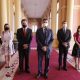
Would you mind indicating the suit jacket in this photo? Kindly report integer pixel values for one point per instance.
(24, 40)
(64, 37)
(44, 40)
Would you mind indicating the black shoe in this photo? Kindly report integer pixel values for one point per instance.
(7, 66)
(38, 75)
(27, 71)
(46, 75)
(65, 69)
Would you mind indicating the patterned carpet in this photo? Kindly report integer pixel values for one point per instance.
(54, 74)
(11, 70)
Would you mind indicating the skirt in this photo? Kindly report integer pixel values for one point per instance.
(5, 49)
(76, 51)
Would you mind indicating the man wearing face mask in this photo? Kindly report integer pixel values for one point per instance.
(44, 39)
(64, 36)
(24, 37)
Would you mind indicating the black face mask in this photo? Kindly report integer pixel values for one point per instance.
(6, 28)
(24, 26)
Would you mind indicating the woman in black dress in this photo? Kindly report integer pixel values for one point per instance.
(76, 48)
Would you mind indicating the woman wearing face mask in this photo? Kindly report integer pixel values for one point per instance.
(7, 43)
(76, 48)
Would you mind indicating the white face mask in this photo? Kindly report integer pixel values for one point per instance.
(45, 24)
(65, 26)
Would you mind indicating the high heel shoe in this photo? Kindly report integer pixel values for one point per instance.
(7, 66)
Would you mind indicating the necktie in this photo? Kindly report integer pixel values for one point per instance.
(44, 31)
(24, 32)
(64, 30)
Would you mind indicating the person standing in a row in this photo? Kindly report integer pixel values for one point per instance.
(76, 48)
(44, 38)
(64, 37)
(7, 44)
(24, 37)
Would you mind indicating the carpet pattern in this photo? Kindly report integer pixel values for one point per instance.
(54, 74)
(14, 65)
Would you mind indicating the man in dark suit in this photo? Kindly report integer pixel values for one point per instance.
(64, 36)
(44, 38)
(24, 37)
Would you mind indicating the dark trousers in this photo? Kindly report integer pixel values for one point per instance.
(23, 55)
(42, 54)
(63, 56)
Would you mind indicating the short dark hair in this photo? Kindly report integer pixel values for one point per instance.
(44, 20)
(78, 28)
(5, 25)
(23, 20)
(64, 22)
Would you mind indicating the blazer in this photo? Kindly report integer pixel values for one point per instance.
(24, 40)
(44, 40)
(63, 36)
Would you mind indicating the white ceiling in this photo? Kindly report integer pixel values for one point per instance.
(35, 8)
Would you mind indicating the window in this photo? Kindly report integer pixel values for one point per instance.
(34, 28)
(57, 17)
